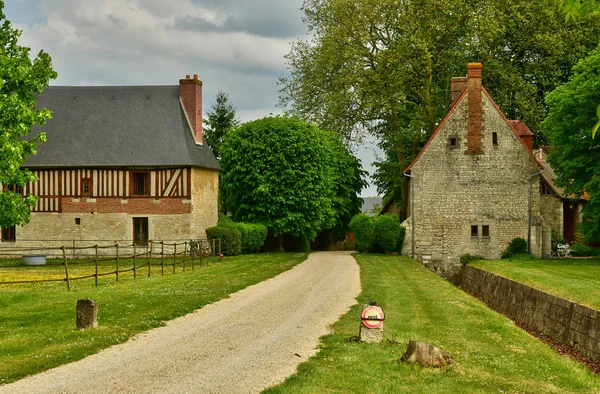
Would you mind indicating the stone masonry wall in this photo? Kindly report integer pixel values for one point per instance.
(564, 321)
(552, 210)
(455, 189)
(205, 200)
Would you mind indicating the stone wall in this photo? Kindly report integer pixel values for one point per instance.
(458, 185)
(562, 320)
(551, 208)
(205, 200)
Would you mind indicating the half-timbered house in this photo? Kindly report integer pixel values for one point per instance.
(121, 163)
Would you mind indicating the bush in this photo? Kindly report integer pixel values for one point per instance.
(468, 258)
(362, 227)
(292, 243)
(224, 220)
(386, 231)
(581, 250)
(231, 239)
(253, 236)
(516, 246)
(401, 237)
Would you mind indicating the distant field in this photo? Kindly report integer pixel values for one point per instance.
(492, 355)
(575, 279)
(37, 321)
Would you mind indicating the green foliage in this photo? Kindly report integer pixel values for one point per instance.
(386, 232)
(292, 243)
(581, 250)
(556, 240)
(401, 237)
(362, 227)
(384, 67)
(22, 79)
(465, 259)
(291, 176)
(220, 120)
(224, 220)
(515, 247)
(253, 236)
(231, 239)
(574, 156)
(574, 9)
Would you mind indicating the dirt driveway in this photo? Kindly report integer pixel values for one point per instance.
(243, 344)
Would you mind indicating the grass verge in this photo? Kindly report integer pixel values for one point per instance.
(492, 354)
(37, 321)
(575, 279)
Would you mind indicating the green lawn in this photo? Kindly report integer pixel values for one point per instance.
(492, 354)
(575, 279)
(37, 321)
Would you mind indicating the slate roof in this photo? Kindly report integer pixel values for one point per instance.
(117, 126)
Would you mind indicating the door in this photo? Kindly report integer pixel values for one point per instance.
(140, 230)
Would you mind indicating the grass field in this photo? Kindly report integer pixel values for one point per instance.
(492, 355)
(575, 279)
(37, 321)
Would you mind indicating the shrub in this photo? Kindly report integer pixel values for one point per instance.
(516, 246)
(224, 220)
(581, 250)
(253, 236)
(292, 243)
(401, 237)
(386, 232)
(231, 239)
(468, 258)
(362, 227)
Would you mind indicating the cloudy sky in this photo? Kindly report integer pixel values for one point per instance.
(233, 45)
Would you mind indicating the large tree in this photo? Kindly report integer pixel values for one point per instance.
(221, 119)
(574, 156)
(21, 79)
(291, 176)
(384, 66)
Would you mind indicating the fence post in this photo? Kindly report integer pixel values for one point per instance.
(134, 266)
(73, 252)
(150, 257)
(220, 247)
(96, 263)
(117, 270)
(174, 255)
(213, 249)
(162, 257)
(201, 251)
(66, 267)
(184, 254)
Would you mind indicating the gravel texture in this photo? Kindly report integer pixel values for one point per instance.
(243, 344)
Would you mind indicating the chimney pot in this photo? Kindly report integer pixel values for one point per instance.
(196, 76)
(187, 76)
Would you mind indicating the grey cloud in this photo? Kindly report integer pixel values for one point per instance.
(264, 18)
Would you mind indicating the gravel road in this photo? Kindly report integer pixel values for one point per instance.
(243, 344)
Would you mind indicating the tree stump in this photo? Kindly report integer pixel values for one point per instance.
(426, 355)
(87, 314)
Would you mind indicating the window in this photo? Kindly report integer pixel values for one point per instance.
(86, 186)
(9, 234)
(140, 230)
(494, 138)
(78, 221)
(485, 231)
(140, 184)
(453, 142)
(545, 190)
(474, 231)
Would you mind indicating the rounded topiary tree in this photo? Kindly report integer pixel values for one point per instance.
(362, 227)
(386, 232)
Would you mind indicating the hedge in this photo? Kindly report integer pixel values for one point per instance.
(253, 236)
(386, 232)
(231, 239)
(362, 227)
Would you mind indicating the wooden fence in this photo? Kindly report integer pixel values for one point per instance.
(153, 254)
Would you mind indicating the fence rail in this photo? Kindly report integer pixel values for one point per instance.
(151, 254)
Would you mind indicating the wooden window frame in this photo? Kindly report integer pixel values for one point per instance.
(474, 231)
(137, 222)
(485, 231)
(90, 187)
(132, 189)
(9, 234)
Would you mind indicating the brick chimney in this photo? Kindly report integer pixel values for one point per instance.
(190, 93)
(457, 85)
(474, 110)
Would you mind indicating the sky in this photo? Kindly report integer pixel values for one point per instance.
(236, 46)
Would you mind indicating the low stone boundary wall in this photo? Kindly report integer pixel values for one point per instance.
(562, 320)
